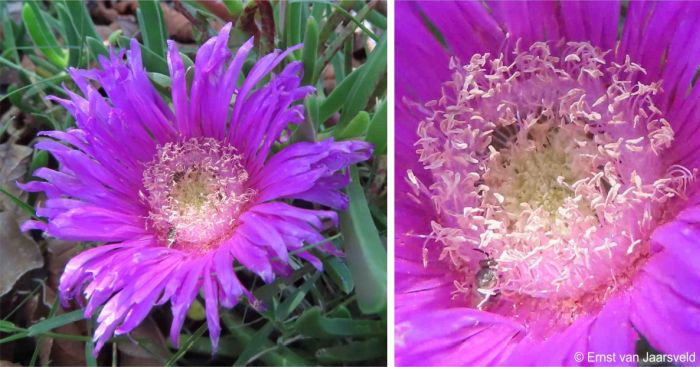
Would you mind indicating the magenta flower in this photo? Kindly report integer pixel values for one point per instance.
(179, 194)
(547, 208)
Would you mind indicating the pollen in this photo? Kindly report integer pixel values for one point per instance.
(195, 191)
(546, 165)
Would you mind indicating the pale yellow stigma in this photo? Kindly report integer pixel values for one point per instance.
(536, 168)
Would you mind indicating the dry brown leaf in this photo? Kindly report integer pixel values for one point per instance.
(58, 254)
(176, 24)
(149, 335)
(62, 352)
(18, 253)
(101, 13)
(9, 364)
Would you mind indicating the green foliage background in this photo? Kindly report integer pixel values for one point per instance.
(334, 317)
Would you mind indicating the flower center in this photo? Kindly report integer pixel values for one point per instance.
(547, 176)
(196, 191)
(535, 169)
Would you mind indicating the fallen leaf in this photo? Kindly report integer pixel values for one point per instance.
(9, 364)
(63, 352)
(152, 351)
(18, 253)
(13, 166)
(177, 25)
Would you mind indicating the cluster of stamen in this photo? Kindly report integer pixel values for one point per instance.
(196, 190)
(548, 166)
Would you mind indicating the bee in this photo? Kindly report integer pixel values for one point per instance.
(178, 176)
(486, 279)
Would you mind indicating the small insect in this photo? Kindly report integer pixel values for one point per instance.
(178, 176)
(172, 234)
(486, 279)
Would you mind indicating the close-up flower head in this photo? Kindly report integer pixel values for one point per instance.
(546, 182)
(211, 194)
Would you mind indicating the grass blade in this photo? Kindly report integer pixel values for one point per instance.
(308, 56)
(187, 345)
(152, 26)
(71, 35)
(294, 25)
(47, 325)
(338, 97)
(363, 88)
(8, 28)
(20, 203)
(81, 19)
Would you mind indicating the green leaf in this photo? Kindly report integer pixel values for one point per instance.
(81, 19)
(311, 323)
(310, 51)
(361, 91)
(8, 27)
(312, 111)
(228, 347)
(191, 339)
(72, 36)
(40, 32)
(348, 49)
(366, 255)
(8, 327)
(332, 22)
(294, 25)
(196, 311)
(377, 133)
(161, 80)
(357, 127)
(20, 203)
(292, 302)
(337, 62)
(55, 322)
(258, 341)
(151, 61)
(40, 159)
(254, 344)
(317, 10)
(43, 67)
(97, 47)
(152, 26)
(306, 131)
(362, 13)
(378, 19)
(90, 360)
(339, 96)
(340, 274)
(357, 351)
(235, 7)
